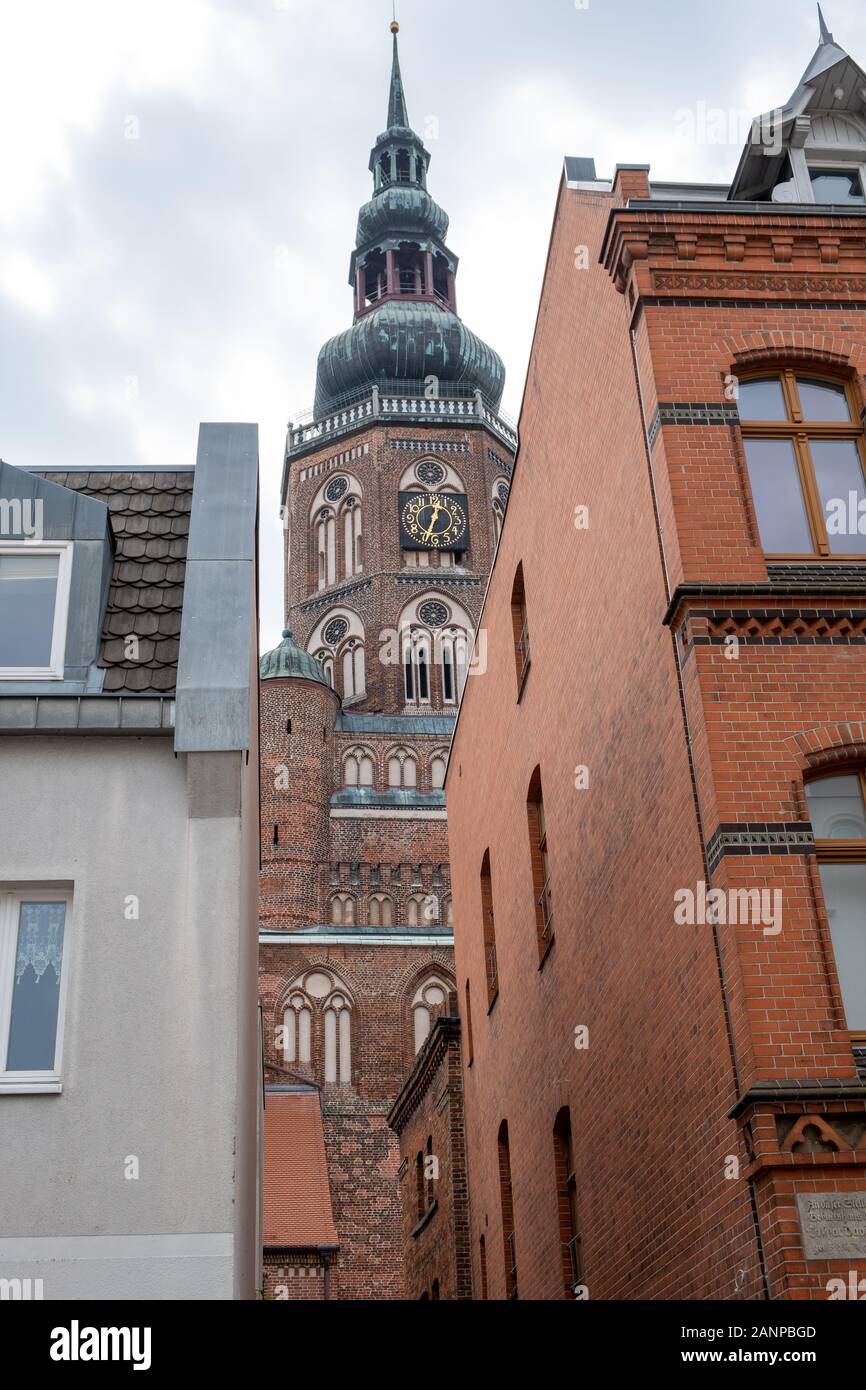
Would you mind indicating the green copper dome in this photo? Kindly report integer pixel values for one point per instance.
(407, 342)
(401, 208)
(403, 274)
(287, 660)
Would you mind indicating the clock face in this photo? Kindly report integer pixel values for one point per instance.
(435, 519)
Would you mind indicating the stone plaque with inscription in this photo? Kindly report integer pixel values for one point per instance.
(833, 1225)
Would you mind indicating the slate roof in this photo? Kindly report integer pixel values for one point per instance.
(150, 516)
(297, 1198)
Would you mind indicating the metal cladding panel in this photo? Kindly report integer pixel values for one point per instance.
(228, 463)
(215, 700)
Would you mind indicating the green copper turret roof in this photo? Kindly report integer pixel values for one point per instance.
(406, 326)
(288, 660)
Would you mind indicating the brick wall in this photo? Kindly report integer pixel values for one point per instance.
(428, 1118)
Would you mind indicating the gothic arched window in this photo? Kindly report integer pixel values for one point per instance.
(381, 912)
(438, 768)
(317, 1027)
(402, 769)
(429, 1003)
(343, 910)
(359, 768)
(338, 1040)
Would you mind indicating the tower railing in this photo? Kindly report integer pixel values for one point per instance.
(310, 431)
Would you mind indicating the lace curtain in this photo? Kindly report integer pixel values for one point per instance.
(40, 939)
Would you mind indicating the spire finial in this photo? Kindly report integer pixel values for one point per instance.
(397, 115)
(826, 36)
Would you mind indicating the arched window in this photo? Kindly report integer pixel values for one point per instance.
(381, 911)
(354, 670)
(489, 930)
(520, 628)
(420, 1187)
(438, 768)
(336, 529)
(402, 769)
(566, 1201)
(422, 910)
(454, 663)
(351, 519)
(540, 864)
(507, 1204)
(317, 1027)
(837, 806)
(805, 450)
(343, 910)
(326, 547)
(297, 1030)
(470, 1050)
(436, 644)
(338, 642)
(327, 662)
(429, 1003)
(358, 768)
(498, 518)
(338, 1041)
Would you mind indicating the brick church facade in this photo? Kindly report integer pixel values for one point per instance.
(657, 791)
(393, 493)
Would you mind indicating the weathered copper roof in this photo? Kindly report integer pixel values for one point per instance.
(407, 342)
(150, 515)
(288, 660)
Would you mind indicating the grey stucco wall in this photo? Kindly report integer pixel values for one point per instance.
(160, 1012)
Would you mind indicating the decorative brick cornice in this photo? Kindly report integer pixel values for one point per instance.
(750, 599)
(777, 252)
(445, 1034)
(692, 413)
(752, 627)
(759, 284)
(775, 1092)
(759, 839)
(334, 596)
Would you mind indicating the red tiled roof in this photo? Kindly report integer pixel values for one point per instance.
(297, 1205)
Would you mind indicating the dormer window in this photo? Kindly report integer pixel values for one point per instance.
(837, 186)
(34, 602)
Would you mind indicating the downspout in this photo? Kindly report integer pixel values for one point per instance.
(720, 962)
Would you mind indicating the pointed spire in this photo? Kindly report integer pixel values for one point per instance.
(826, 36)
(397, 115)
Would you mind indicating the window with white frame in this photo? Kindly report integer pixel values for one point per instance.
(33, 932)
(34, 603)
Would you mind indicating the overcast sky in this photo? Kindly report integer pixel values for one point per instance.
(180, 180)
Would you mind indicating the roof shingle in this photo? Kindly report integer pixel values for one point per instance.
(297, 1198)
(150, 515)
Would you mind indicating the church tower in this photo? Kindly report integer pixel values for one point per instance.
(393, 494)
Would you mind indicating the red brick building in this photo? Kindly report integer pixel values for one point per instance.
(434, 1193)
(665, 1091)
(393, 493)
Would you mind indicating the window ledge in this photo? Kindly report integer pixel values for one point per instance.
(426, 1218)
(30, 1088)
(492, 1005)
(523, 679)
(546, 952)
